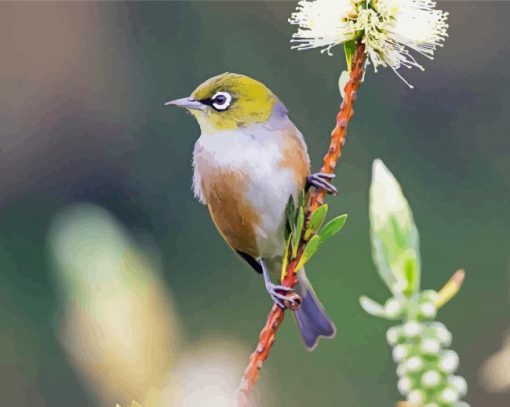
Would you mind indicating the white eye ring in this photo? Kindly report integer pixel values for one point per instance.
(221, 100)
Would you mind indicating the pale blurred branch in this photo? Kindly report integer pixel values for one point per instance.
(425, 364)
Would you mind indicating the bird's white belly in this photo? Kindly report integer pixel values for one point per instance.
(269, 191)
(268, 184)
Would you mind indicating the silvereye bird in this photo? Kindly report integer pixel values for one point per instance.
(248, 161)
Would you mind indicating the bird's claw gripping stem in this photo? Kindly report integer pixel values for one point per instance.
(278, 294)
(283, 296)
(322, 180)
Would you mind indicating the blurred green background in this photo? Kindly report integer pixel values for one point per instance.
(82, 120)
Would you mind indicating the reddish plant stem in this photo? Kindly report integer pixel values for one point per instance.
(275, 317)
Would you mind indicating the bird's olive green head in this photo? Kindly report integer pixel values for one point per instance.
(229, 101)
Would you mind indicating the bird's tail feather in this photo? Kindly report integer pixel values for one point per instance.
(311, 317)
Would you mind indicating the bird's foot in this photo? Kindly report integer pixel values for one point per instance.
(322, 180)
(283, 296)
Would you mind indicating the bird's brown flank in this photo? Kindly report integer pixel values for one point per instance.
(224, 191)
(231, 213)
(295, 157)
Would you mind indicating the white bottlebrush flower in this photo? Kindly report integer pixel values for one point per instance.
(323, 23)
(388, 28)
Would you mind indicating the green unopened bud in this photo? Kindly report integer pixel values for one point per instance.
(430, 346)
(391, 221)
(400, 352)
(443, 335)
(431, 378)
(416, 397)
(411, 329)
(427, 310)
(401, 369)
(404, 385)
(449, 361)
(414, 364)
(393, 335)
(459, 384)
(393, 308)
(449, 395)
(428, 296)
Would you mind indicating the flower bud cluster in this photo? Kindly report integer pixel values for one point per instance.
(425, 365)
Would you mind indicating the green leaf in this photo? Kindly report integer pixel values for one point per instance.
(349, 49)
(394, 236)
(316, 220)
(332, 227)
(311, 248)
(291, 210)
(285, 261)
(302, 199)
(296, 234)
(291, 217)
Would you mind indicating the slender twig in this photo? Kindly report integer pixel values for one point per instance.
(316, 199)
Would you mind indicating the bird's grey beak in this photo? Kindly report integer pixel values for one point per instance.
(187, 103)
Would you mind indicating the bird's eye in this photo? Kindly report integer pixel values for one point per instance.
(221, 101)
